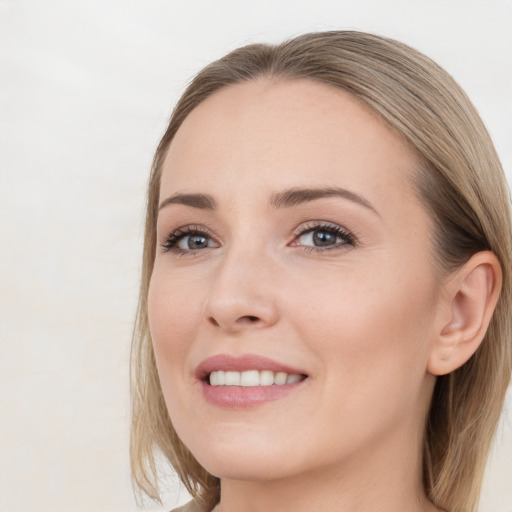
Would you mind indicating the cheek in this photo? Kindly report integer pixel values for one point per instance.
(172, 314)
(174, 305)
(371, 331)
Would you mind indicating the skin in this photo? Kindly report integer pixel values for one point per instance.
(360, 318)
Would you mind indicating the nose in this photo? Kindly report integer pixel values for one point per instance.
(242, 294)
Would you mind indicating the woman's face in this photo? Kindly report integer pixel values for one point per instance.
(290, 241)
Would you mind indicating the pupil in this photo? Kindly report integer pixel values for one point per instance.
(197, 242)
(321, 238)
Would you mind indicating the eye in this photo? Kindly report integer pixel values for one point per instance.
(323, 236)
(189, 240)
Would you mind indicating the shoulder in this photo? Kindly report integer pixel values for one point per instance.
(191, 506)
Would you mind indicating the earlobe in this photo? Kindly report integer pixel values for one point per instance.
(472, 292)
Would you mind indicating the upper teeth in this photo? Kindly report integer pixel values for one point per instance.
(252, 378)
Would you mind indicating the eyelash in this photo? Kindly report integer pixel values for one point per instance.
(171, 242)
(327, 227)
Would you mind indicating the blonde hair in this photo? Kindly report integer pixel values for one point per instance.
(460, 182)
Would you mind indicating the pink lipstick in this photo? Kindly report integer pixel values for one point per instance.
(246, 381)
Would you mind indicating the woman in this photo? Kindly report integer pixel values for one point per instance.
(324, 316)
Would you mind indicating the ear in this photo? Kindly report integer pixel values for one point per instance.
(471, 294)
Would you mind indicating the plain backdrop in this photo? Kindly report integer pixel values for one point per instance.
(86, 89)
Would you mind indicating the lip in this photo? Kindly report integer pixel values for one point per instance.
(242, 364)
(240, 397)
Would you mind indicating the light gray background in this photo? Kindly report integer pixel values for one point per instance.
(85, 92)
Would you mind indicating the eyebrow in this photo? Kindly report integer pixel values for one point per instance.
(201, 201)
(296, 196)
(286, 199)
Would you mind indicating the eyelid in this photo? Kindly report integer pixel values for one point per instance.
(315, 224)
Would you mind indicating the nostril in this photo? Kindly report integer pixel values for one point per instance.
(249, 318)
(240, 321)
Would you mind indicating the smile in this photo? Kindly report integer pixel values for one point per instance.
(246, 381)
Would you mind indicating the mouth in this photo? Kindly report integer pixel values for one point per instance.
(246, 381)
(250, 378)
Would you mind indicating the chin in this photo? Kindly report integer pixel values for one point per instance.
(245, 458)
(244, 467)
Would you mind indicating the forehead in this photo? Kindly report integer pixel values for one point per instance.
(270, 135)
